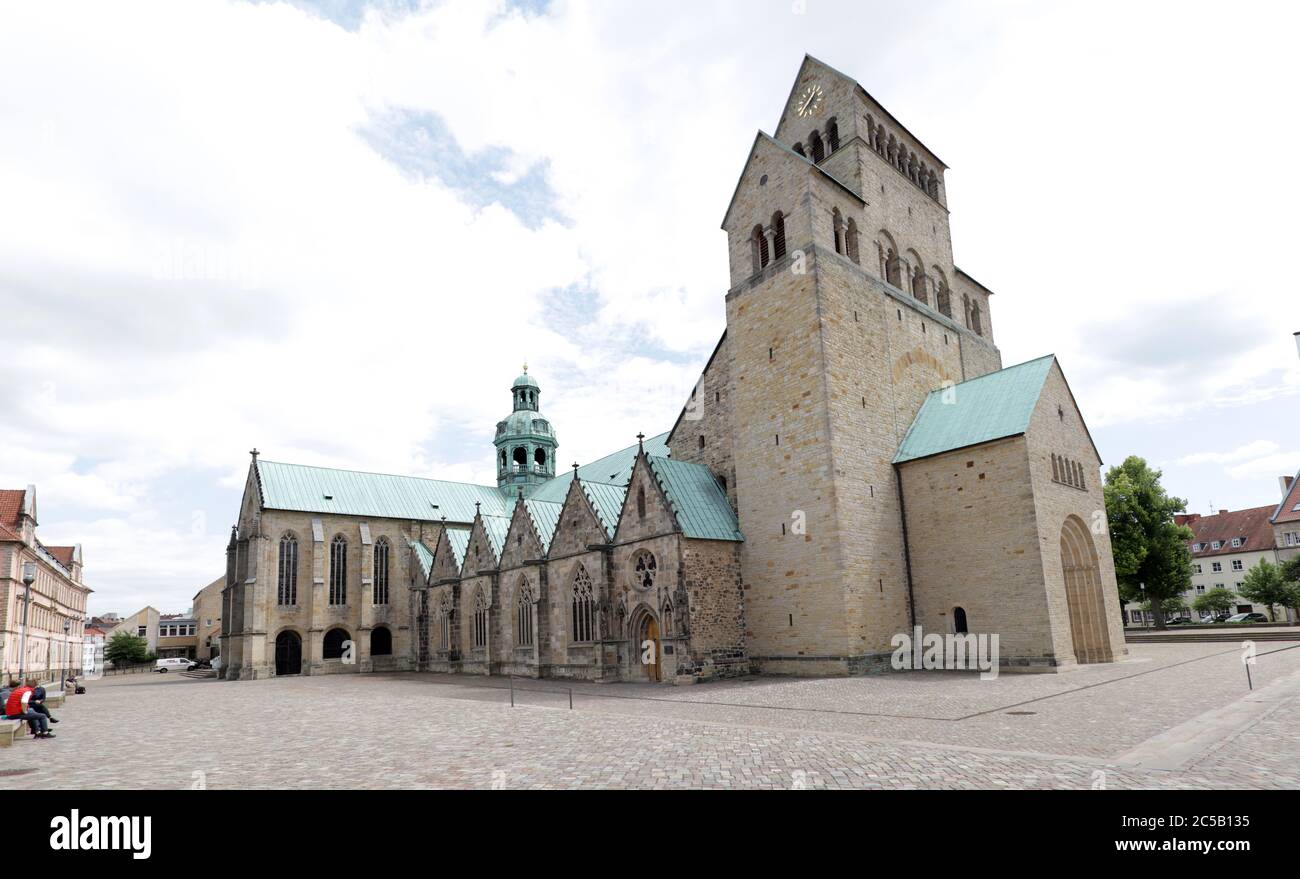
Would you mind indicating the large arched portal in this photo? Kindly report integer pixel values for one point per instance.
(1088, 625)
(288, 653)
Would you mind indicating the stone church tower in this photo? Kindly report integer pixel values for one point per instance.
(845, 312)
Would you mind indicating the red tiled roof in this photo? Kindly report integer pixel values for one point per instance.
(1289, 509)
(1252, 525)
(63, 554)
(11, 508)
(95, 630)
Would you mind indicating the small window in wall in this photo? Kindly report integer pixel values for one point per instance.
(959, 620)
(640, 503)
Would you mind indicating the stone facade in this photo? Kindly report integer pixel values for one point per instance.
(845, 313)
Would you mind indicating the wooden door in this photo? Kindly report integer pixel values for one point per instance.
(652, 635)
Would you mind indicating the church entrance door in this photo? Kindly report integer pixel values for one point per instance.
(651, 649)
(288, 654)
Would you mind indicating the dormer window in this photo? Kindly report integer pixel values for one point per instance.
(1237, 541)
(1218, 544)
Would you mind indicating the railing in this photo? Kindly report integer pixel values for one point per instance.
(130, 668)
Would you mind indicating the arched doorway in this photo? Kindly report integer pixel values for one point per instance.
(1083, 597)
(333, 645)
(288, 654)
(648, 647)
(381, 641)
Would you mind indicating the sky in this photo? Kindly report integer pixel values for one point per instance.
(334, 231)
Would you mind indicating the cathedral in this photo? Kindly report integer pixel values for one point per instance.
(854, 463)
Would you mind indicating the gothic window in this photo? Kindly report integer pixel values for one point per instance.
(583, 608)
(287, 592)
(379, 593)
(339, 570)
(644, 570)
(778, 235)
(335, 641)
(381, 641)
(444, 622)
(480, 619)
(851, 240)
(975, 319)
(818, 148)
(524, 615)
(833, 134)
(837, 229)
(640, 503)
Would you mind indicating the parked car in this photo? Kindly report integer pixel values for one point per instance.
(1183, 621)
(196, 664)
(171, 663)
(1247, 618)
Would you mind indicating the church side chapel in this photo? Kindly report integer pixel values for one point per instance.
(854, 462)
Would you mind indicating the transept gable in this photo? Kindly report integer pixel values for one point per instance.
(646, 512)
(521, 541)
(449, 554)
(578, 526)
(479, 552)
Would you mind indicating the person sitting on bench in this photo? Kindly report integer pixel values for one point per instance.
(37, 704)
(16, 708)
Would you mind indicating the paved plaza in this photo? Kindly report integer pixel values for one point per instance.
(1171, 716)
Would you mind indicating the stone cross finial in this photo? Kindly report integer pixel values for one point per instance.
(640, 442)
(254, 453)
(476, 507)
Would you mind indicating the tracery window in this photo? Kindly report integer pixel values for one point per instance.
(379, 594)
(524, 615)
(583, 608)
(339, 570)
(287, 589)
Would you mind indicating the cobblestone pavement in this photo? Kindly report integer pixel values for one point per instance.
(892, 731)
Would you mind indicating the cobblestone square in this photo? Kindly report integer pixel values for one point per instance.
(1173, 716)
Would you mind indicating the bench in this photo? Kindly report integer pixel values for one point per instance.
(10, 730)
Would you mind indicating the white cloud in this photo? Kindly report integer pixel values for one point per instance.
(201, 251)
(1251, 450)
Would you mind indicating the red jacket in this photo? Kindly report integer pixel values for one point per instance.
(15, 703)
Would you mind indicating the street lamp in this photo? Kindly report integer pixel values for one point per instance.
(29, 577)
(67, 654)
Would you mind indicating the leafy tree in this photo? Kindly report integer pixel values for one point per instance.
(1264, 585)
(1216, 600)
(125, 649)
(1152, 561)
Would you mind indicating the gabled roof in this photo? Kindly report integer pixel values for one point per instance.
(545, 516)
(458, 540)
(1251, 525)
(495, 527)
(764, 137)
(423, 555)
(702, 510)
(11, 509)
(353, 493)
(614, 469)
(989, 407)
(607, 501)
(1289, 509)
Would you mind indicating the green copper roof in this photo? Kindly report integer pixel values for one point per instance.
(607, 501)
(424, 556)
(351, 493)
(990, 407)
(545, 516)
(524, 380)
(458, 540)
(702, 510)
(615, 469)
(496, 527)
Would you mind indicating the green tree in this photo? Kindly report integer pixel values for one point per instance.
(1216, 600)
(1152, 561)
(125, 648)
(1264, 585)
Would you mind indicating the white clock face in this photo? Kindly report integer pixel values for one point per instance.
(810, 101)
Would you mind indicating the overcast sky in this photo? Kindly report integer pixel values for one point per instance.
(336, 230)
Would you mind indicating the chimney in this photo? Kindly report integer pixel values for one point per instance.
(1285, 482)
